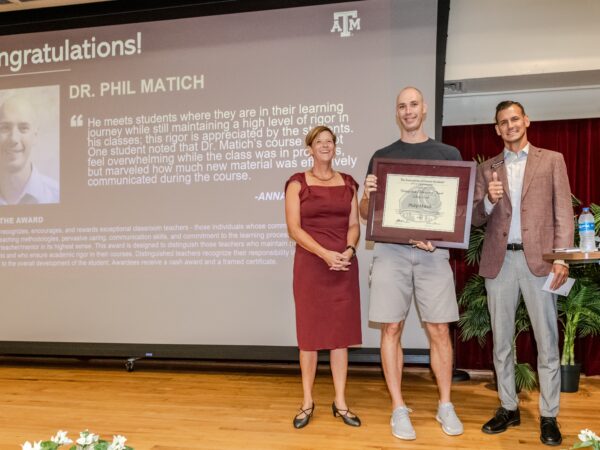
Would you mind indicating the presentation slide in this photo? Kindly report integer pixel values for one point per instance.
(142, 165)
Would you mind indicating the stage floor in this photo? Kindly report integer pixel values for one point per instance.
(205, 406)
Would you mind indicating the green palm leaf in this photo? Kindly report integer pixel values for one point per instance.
(473, 292)
(473, 253)
(474, 321)
(474, 324)
(525, 377)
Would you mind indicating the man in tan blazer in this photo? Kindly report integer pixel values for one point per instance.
(524, 197)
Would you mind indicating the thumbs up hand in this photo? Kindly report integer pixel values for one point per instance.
(495, 189)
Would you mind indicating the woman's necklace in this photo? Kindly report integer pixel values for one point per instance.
(322, 179)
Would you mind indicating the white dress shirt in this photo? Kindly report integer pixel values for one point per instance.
(515, 172)
(39, 189)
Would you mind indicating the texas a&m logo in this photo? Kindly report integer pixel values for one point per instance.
(344, 22)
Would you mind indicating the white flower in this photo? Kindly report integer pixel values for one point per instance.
(588, 435)
(87, 438)
(118, 443)
(86, 441)
(583, 435)
(61, 438)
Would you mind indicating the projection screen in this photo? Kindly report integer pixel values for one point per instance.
(156, 222)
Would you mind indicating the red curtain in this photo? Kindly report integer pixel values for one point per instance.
(579, 142)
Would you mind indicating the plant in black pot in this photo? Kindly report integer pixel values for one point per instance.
(579, 313)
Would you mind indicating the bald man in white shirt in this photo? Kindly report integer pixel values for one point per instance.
(20, 181)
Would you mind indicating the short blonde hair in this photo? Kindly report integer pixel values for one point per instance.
(312, 134)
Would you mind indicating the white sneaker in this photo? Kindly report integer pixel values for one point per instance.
(401, 426)
(451, 424)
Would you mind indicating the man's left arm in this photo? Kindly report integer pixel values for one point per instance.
(563, 218)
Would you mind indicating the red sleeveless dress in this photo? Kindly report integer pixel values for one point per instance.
(327, 301)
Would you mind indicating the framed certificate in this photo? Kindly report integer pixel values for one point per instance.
(423, 200)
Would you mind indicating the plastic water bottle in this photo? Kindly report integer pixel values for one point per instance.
(586, 231)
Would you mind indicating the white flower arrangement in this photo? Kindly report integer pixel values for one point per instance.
(86, 441)
(587, 438)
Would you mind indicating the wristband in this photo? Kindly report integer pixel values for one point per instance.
(353, 249)
(561, 262)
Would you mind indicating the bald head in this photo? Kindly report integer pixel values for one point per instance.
(18, 106)
(410, 90)
(411, 111)
(18, 130)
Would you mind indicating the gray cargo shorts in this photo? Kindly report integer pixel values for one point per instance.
(400, 271)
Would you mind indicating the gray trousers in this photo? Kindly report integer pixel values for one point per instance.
(503, 296)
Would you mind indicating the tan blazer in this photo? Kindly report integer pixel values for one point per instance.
(546, 211)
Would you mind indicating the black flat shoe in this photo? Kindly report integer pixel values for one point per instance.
(348, 419)
(301, 422)
(550, 434)
(501, 421)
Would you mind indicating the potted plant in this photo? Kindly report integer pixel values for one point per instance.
(579, 312)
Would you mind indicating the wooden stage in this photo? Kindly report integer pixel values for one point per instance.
(206, 406)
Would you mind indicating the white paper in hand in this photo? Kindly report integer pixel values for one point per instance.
(562, 290)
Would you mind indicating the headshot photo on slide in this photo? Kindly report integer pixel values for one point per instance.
(29, 145)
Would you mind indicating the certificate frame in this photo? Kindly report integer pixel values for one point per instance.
(398, 214)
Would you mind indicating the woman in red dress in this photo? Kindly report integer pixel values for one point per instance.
(321, 212)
